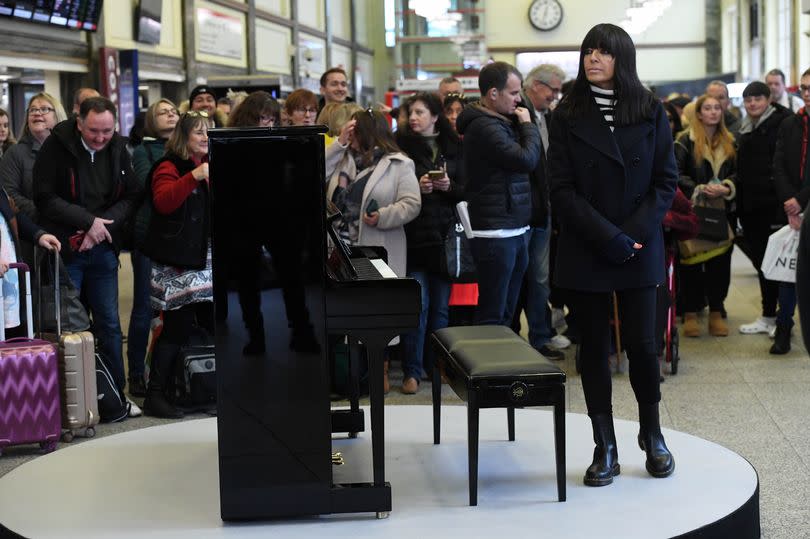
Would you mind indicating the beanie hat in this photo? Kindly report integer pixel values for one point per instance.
(757, 88)
(202, 89)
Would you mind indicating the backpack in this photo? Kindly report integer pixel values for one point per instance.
(195, 380)
(112, 406)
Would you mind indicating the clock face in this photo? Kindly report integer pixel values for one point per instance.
(545, 14)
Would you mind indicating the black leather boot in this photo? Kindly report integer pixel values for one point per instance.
(605, 463)
(156, 403)
(660, 462)
(256, 343)
(781, 341)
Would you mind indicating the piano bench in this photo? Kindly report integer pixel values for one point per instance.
(492, 367)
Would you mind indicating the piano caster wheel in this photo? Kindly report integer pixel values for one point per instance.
(352, 435)
(382, 514)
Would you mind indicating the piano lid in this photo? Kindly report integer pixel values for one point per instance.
(250, 132)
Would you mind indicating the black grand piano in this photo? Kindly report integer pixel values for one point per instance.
(275, 421)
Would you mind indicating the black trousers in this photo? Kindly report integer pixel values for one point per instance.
(708, 281)
(178, 324)
(637, 322)
(757, 228)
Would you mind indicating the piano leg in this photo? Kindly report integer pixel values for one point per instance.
(375, 346)
(354, 379)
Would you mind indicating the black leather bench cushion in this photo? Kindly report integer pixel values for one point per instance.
(496, 353)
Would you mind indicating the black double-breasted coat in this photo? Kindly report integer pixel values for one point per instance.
(606, 183)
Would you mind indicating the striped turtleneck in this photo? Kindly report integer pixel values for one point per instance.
(606, 101)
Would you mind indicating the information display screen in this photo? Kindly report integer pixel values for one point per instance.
(76, 14)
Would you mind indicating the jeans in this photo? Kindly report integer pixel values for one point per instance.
(141, 315)
(787, 304)
(95, 274)
(637, 314)
(435, 296)
(501, 264)
(538, 314)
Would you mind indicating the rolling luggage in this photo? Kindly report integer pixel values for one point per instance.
(29, 384)
(77, 370)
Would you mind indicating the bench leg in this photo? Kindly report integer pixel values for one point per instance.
(559, 443)
(437, 400)
(510, 422)
(472, 445)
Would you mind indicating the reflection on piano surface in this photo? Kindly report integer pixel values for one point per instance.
(275, 423)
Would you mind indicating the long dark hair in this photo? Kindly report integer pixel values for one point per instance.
(633, 102)
(249, 112)
(372, 131)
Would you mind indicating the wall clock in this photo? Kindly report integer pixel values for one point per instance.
(545, 15)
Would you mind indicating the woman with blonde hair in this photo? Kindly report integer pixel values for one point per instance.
(16, 169)
(335, 116)
(706, 159)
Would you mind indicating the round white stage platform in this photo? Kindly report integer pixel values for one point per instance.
(163, 482)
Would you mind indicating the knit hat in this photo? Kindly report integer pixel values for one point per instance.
(757, 88)
(202, 89)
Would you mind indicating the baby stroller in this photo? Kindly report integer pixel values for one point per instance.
(680, 223)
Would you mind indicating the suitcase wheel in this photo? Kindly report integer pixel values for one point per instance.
(47, 447)
(90, 432)
(67, 436)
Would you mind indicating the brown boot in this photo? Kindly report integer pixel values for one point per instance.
(717, 326)
(690, 325)
(386, 383)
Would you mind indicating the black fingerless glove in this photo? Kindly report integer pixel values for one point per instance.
(620, 249)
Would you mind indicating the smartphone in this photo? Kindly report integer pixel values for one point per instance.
(435, 175)
(372, 207)
(76, 241)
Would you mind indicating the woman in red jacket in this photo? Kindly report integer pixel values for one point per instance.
(178, 242)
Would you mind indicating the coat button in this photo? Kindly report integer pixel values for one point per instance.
(637, 199)
(636, 161)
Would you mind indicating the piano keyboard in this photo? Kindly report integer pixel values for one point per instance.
(375, 268)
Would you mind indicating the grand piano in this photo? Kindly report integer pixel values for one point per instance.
(275, 421)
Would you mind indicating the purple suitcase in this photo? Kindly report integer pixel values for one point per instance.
(30, 410)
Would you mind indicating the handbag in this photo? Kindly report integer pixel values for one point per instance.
(74, 317)
(459, 262)
(712, 223)
(781, 255)
(710, 244)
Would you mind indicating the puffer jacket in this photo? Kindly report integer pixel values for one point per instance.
(499, 156)
(690, 175)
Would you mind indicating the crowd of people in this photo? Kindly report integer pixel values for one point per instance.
(566, 186)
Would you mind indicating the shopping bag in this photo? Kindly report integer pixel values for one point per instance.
(458, 257)
(779, 263)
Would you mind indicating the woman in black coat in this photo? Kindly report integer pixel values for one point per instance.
(613, 177)
(433, 145)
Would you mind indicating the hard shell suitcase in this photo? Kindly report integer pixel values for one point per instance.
(29, 384)
(77, 372)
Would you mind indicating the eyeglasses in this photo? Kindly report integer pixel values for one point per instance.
(40, 110)
(307, 110)
(167, 112)
(555, 91)
(803, 89)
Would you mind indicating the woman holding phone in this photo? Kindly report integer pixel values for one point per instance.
(433, 145)
(613, 177)
(374, 186)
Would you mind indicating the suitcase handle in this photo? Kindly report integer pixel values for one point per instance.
(22, 267)
(56, 292)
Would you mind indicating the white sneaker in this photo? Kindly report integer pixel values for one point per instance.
(558, 319)
(760, 325)
(134, 409)
(772, 333)
(560, 342)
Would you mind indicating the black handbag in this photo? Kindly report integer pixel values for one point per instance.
(74, 317)
(713, 223)
(459, 262)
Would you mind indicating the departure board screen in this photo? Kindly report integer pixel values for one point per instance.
(75, 14)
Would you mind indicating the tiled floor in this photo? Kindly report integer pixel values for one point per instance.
(728, 390)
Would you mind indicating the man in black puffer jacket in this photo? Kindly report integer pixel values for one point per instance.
(84, 190)
(501, 150)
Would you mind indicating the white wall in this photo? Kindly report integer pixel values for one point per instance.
(509, 27)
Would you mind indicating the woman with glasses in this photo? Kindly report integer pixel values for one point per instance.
(374, 185)
(7, 139)
(433, 145)
(791, 168)
(178, 243)
(613, 177)
(706, 159)
(301, 107)
(16, 169)
(159, 122)
(258, 109)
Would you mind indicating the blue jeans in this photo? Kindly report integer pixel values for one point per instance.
(538, 315)
(95, 274)
(787, 304)
(435, 296)
(141, 315)
(501, 264)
